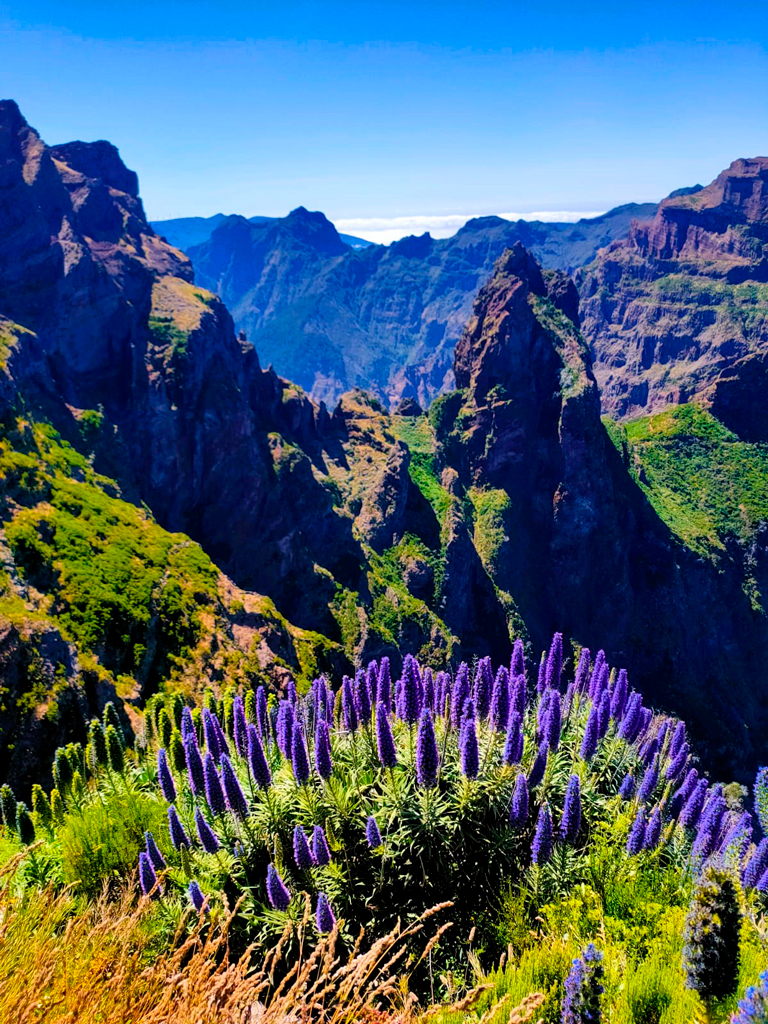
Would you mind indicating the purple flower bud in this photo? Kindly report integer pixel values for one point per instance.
(284, 728)
(518, 695)
(590, 739)
(240, 726)
(320, 850)
(636, 836)
(603, 713)
(630, 723)
(177, 831)
(619, 695)
(348, 705)
(196, 897)
(147, 877)
(208, 838)
(323, 760)
(187, 722)
(627, 787)
(385, 742)
(460, 694)
(517, 664)
(541, 712)
(277, 892)
(233, 791)
(678, 739)
(595, 681)
(649, 783)
(301, 851)
(541, 850)
(582, 671)
(262, 716)
(411, 703)
(429, 689)
(571, 821)
(362, 698)
(372, 682)
(468, 749)
(513, 747)
(156, 858)
(653, 830)
(299, 758)
(553, 721)
(500, 701)
(210, 735)
(214, 794)
(481, 693)
(257, 761)
(167, 787)
(518, 809)
(712, 814)
(372, 834)
(427, 757)
(554, 667)
(691, 812)
(536, 774)
(194, 765)
(680, 798)
(676, 767)
(384, 687)
(324, 916)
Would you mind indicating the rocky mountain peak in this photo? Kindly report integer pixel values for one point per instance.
(98, 160)
(314, 228)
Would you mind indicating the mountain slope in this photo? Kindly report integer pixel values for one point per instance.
(184, 232)
(384, 318)
(684, 297)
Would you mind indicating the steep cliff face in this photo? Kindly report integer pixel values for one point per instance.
(684, 296)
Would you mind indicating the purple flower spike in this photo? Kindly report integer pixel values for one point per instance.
(653, 830)
(278, 893)
(682, 795)
(427, 757)
(481, 693)
(518, 695)
(257, 761)
(632, 720)
(582, 671)
(517, 664)
(536, 774)
(500, 701)
(362, 698)
(208, 838)
(164, 777)
(756, 865)
(177, 831)
(590, 739)
(518, 810)
(324, 916)
(196, 897)
(691, 812)
(627, 787)
(411, 703)
(636, 837)
(541, 682)
(301, 851)
(156, 858)
(513, 746)
(597, 674)
(240, 726)
(554, 669)
(649, 783)
(210, 736)
(262, 716)
(284, 728)
(194, 765)
(214, 794)
(348, 705)
(187, 722)
(677, 765)
(570, 825)
(619, 696)
(468, 749)
(553, 720)
(320, 850)
(429, 689)
(323, 761)
(384, 686)
(233, 791)
(385, 742)
(372, 834)
(300, 758)
(677, 741)
(460, 694)
(541, 850)
(147, 877)
(603, 713)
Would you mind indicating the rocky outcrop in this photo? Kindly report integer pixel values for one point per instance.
(684, 296)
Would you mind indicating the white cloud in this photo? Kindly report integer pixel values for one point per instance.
(387, 229)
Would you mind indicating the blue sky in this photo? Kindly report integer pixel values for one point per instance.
(393, 117)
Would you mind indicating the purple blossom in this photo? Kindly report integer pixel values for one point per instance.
(553, 720)
(676, 766)
(691, 812)
(194, 765)
(411, 703)
(756, 865)
(147, 877)
(481, 693)
(603, 713)
(384, 687)
(214, 794)
(627, 787)
(517, 695)
(196, 897)
(536, 774)
(284, 728)
(517, 664)
(541, 850)
(177, 831)
(712, 814)
(299, 756)
(542, 710)
(262, 716)
(636, 837)
(372, 684)
(460, 694)
(427, 757)
(156, 858)
(653, 830)
(677, 741)
(233, 791)
(581, 1001)
(681, 796)
(630, 723)
(582, 671)
(348, 705)
(518, 809)
(753, 1008)
(323, 760)
(429, 689)
(385, 742)
(257, 761)
(554, 669)
(167, 786)
(619, 695)
(571, 821)
(513, 746)
(649, 783)
(372, 834)
(187, 722)
(468, 749)
(443, 686)
(320, 850)
(221, 739)
(324, 916)
(240, 726)
(703, 845)
(208, 838)
(590, 739)
(278, 893)
(301, 851)
(541, 682)
(210, 735)
(595, 681)
(362, 698)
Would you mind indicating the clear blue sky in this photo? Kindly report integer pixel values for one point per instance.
(385, 110)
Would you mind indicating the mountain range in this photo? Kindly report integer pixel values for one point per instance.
(175, 516)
